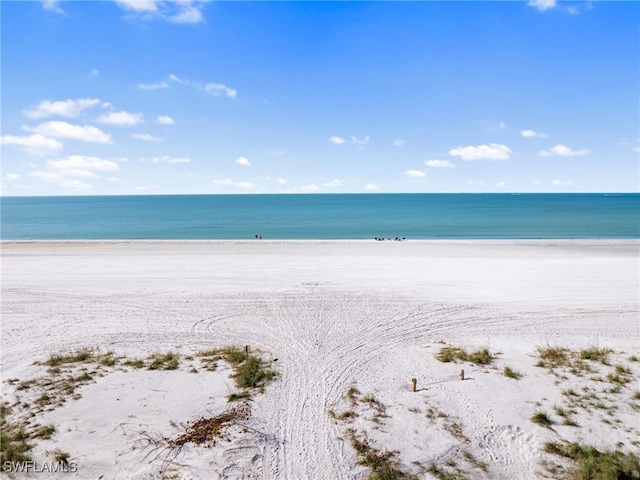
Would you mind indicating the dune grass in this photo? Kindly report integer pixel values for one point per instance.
(511, 373)
(592, 464)
(481, 356)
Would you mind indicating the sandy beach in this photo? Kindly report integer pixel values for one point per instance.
(346, 325)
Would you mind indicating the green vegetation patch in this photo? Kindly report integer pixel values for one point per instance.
(511, 373)
(382, 465)
(13, 438)
(592, 464)
(450, 354)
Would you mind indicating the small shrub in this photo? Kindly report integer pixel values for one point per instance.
(510, 373)
(168, 361)
(542, 419)
(451, 354)
(60, 456)
(592, 464)
(135, 363)
(234, 397)
(552, 357)
(46, 432)
(234, 355)
(352, 393)
(596, 354)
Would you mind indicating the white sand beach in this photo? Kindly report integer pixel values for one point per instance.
(334, 318)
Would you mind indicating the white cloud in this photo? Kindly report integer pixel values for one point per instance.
(152, 86)
(12, 176)
(536, 182)
(282, 181)
(94, 73)
(561, 183)
(398, 143)
(542, 4)
(336, 140)
(76, 185)
(360, 141)
(165, 120)
(75, 164)
(52, 6)
(138, 5)
(415, 173)
(62, 108)
(219, 89)
(493, 151)
(146, 137)
(532, 134)
(72, 184)
(564, 151)
(176, 79)
(168, 159)
(35, 144)
(635, 149)
(333, 183)
(245, 185)
(58, 129)
(277, 151)
(121, 118)
(371, 186)
(310, 188)
(501, 184)
(225, 181)
(176, 11)
(243, 161)
(439, 164)
(187, 13)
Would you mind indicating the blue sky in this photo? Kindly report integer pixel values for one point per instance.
(164, 97)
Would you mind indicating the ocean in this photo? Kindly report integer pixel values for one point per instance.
(322, 216)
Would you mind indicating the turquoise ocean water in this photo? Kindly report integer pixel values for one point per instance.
(326, 216)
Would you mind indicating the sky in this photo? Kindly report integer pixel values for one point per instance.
(205, 97)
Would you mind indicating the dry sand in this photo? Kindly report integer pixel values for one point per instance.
(335, 315)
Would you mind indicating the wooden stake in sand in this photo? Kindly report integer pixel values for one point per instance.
(461, 374)
(414, 381)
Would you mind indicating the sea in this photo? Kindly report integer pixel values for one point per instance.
(322, 216)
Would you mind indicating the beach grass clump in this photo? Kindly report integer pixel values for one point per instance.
(596, 354)
(13, 438)
(45, 432)
(553, 357)
(542, 419)
(481, 356)
(166, 361)
(592, 464)
(61, 358)
(135, 363)
(209, 359)
(252, 373)
(382, 465)
(511, 373)
(621, 375)
(61, 456)
(234, 355)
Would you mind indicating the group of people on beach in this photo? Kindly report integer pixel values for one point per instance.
(382, 239)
